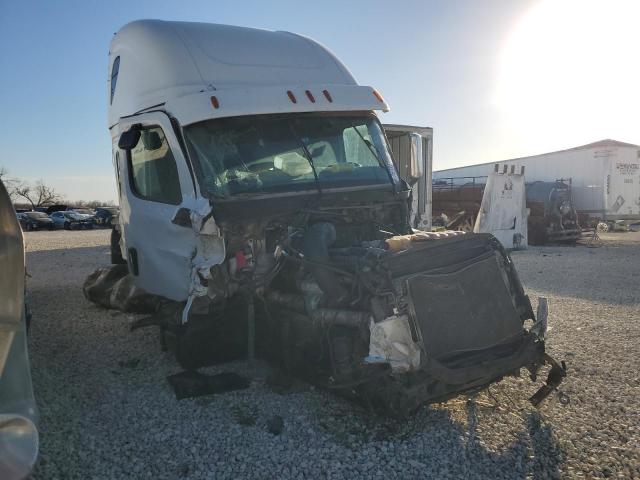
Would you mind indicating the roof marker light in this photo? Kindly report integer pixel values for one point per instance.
(327, 95)
(310, 96)
(378, 96)
(215, 103)
(291, 96)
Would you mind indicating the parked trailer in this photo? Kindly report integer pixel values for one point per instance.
(403, 140)
(605, 176)
(552, 214)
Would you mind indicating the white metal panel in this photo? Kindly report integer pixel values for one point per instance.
(623, 184)
(165, 60)
(503, 211)
(588, 169)
(265, 100)
(399, 142)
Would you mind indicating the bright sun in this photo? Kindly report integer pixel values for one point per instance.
(570, 72)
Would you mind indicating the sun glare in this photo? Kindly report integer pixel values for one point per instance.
(570, 72)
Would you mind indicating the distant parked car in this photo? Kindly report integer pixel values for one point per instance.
(71, 220)
(87, 213)
(35, 221)
(105, 215)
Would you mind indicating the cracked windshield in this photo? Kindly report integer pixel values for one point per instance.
(260, 154)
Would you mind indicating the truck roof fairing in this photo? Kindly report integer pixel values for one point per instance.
(246, 69)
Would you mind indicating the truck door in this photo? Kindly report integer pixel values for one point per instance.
(156, 184)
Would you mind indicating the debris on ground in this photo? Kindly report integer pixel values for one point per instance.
(190, 384)
(112, 287)
(275, 425)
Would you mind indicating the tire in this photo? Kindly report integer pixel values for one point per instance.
(67, 226)
(116, 254)
(28, 227)
(89, 226)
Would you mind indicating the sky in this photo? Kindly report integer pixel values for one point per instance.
(496, 79)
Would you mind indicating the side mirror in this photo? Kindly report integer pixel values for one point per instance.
(151, 140)
(416, 160)
(129, 139)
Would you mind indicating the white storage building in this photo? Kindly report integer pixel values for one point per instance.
(605, 176)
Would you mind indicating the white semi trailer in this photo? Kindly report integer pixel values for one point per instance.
(605, 176)
(260, 200)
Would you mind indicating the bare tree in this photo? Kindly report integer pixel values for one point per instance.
(93, 203)
(10, 183)
(38, 194)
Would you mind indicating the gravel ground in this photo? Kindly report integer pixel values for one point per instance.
(107, 410)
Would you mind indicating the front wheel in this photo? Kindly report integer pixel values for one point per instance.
(67, 226)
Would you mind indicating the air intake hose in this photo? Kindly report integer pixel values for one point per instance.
(317, 240)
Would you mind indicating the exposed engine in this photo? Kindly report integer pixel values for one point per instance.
(393, 320)
(353, 300)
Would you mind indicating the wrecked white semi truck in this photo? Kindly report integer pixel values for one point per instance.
(260, 206)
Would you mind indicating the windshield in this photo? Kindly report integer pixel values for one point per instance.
(275, 153)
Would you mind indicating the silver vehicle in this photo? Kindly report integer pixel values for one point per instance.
(18, 415)
(71, 220)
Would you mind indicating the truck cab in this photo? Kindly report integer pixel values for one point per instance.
(215, 121)
(259, 197)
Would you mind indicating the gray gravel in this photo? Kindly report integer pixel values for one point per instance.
(108, 412)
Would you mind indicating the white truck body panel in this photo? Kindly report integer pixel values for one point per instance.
(400, 146)
(503, 211)
(600, 174)
(162, 61)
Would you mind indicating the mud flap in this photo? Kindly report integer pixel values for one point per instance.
(554, 379)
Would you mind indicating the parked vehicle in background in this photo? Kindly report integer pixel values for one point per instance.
(83, 211)
(35, 221)
(605, 176)
(86, 213)
(18, 413)
(105, 215)
(552, 215)
(71, 220)
(409, 142)
(53, 208)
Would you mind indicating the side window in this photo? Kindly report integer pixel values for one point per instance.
(153, 173)
(358, 145)
(114, 76)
